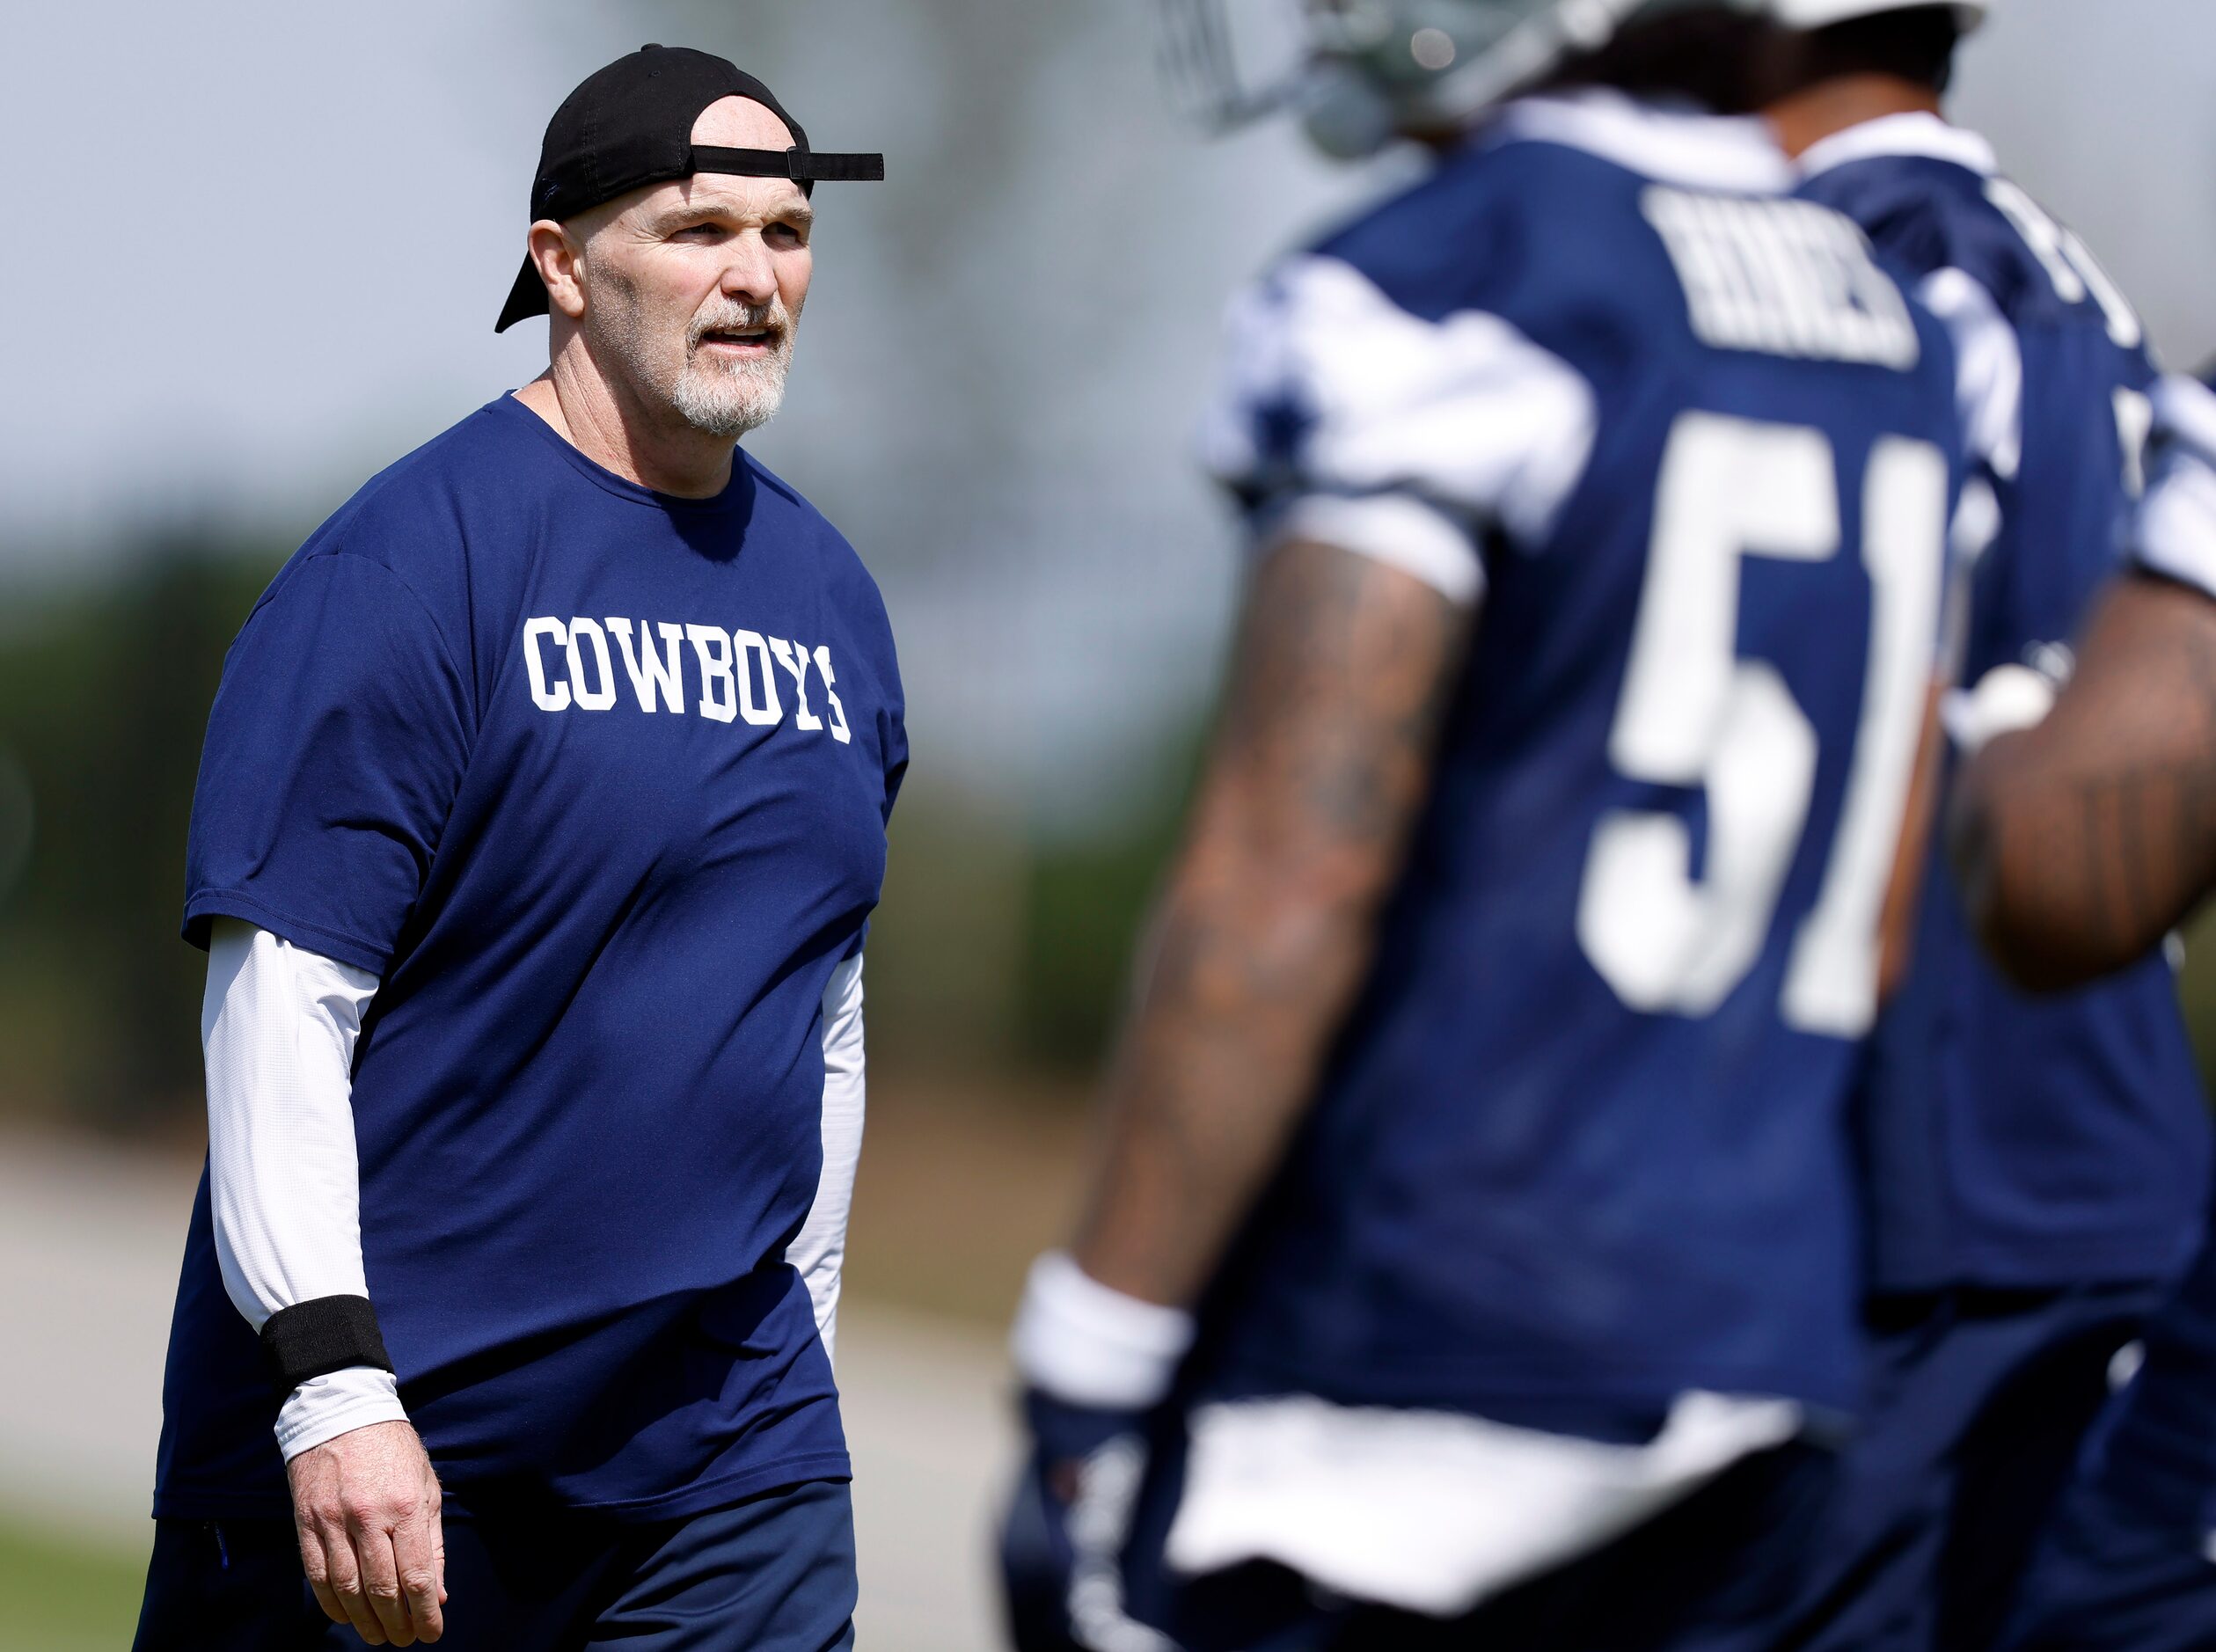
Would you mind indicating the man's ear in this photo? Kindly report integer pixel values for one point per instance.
(560, 261)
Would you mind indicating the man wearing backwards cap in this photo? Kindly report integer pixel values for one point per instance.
(542, 808)
(2035, 1167)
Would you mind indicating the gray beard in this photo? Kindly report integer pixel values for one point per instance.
(719, 400)
(730, 400)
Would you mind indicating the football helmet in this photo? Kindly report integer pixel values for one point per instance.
(1818, 14)
(1361, 72)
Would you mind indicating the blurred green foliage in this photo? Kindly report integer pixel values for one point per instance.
(994, 953)
(990, 954)
(103, 700)
(1086, 905)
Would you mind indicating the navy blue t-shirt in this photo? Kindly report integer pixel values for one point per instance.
(595, 781)
(2015, 1140)
(1583, 1146)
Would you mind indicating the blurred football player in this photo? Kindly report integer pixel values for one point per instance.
(2037, 1167)
(1472, 1255)
(2083, 842)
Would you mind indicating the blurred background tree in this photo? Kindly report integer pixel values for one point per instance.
(103, 693)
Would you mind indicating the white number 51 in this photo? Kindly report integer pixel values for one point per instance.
(1695, 713)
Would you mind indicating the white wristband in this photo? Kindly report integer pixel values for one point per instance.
(2007, 698)
(1082, 1343)
(338, 1402)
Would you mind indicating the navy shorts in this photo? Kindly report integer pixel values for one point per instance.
(1708, 1575)
(1979, 1400)
(2129, 1564)
(773, 1574)
(2120, 1574)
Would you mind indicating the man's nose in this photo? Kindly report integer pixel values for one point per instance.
(750, 275)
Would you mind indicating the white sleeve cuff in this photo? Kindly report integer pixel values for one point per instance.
(1989, 369)
(2176, 533)
(324, 1407)
(818, 1251)
(2006, 699)
(1087, 1345)
(1398, 529)
(1331, 386)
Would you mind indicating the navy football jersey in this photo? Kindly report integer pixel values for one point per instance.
(2013, 1140)
(1581, 1147)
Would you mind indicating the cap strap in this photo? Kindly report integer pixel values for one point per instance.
(802, 166)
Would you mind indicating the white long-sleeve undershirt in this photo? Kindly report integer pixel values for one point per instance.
(819, 1249)
(278, 1025)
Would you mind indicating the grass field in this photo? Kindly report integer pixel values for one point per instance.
(58, 1595)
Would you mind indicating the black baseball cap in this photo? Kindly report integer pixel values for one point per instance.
(630, 124)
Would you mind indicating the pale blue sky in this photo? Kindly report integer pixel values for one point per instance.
(258, 247)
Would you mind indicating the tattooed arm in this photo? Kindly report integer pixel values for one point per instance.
(2082, 842)
(1321, 764)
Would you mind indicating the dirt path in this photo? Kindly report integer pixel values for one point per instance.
(89, 1245)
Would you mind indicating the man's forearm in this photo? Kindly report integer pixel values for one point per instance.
(1319, 770)
(2082, 842)
(1218, 1066)
(278, 1025)
(2071, 876)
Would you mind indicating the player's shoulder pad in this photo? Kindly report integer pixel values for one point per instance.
(1933, 213)
(1445, 240)
(1988, 368)
(1391, 357)
(1333, 386)
(1923, 215)
(2044, 274)
(2174, 532)
(1525, 230)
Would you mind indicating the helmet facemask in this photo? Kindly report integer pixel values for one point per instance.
(1363, 72)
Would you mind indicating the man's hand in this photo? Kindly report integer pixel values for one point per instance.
(1063, 1537)
(366, 1505)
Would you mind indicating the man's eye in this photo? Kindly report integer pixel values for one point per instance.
(700, 232)
(786, 235)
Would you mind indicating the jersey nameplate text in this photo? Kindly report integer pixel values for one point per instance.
(1783, 277)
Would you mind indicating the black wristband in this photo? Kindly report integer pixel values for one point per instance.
(328, 1334)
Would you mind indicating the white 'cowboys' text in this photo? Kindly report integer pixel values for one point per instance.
(737, 673)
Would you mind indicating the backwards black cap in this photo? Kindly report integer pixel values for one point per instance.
(630, 124)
